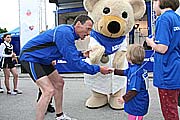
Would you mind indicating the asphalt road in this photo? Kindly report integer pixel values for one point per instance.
(22, 107)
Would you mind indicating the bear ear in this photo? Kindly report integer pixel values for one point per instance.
(139, 8)
(89, 4)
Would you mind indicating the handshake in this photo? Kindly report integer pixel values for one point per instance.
(105, 70)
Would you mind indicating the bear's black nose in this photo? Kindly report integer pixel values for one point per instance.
(114, 27)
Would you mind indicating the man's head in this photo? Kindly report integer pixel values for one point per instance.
(83, 25)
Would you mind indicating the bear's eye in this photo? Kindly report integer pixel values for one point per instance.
(106, 10)
(124, 14)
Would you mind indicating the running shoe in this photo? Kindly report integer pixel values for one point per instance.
(65, 117)
(11, 93)
(1, 90)
(18, 91)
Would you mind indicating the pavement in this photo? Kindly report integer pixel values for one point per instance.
(22, 107)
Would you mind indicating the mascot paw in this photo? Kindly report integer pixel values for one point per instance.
(113, 100)
(114, 104)
(96, 54)
(96, 100)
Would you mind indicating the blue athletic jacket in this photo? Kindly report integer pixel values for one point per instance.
(54, 44)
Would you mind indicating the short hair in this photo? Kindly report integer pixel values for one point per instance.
(82, 18)
(173, 4)
(136, 53)
(4, 35)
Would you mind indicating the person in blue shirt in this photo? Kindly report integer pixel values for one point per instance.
(136, 98)
(38, 53)
(166, 44)
(178, 12)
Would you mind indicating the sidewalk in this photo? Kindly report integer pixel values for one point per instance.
(22, 107)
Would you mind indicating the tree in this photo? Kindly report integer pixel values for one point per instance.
(3, 30)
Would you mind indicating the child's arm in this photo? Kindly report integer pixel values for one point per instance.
(118, 72)
(129, 95)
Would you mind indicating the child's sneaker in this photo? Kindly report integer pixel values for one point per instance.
(1, 90)
(18, 91)
(65, 117)
(11, 93)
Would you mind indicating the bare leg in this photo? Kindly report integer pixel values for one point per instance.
(1, 89)
(0, 79)
(39, 95)
(47, 90)
(15, 77)
(6, 75)
(58, 84)
(0, 83)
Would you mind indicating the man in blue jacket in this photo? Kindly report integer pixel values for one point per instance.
(38, 53)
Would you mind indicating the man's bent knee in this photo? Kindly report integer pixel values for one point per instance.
(59, 85)
(49, 92)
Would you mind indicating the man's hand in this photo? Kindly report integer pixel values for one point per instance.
(53, 62)
(111, 70)
(105, 70)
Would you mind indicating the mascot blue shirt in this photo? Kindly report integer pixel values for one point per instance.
(111, 44)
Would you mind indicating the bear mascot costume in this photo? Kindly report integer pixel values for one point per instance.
(113, 20)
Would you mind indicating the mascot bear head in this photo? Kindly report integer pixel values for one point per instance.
(114, 18)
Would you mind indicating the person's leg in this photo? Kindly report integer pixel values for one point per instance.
(15, 80)
(1, 89)
(15, 77)
(39, 76)
(0, 83)
(179, 98)
(132, 117)
(50, 103)
(6, 78)
(39, 94)
(169, 103)
(140, 117)
(58, 84)
(50, 107)
(47, 92)
(179, 101)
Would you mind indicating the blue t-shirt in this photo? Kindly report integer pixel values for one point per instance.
(139, 104)
(167, 66)
(55, 44)
(111, 44)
